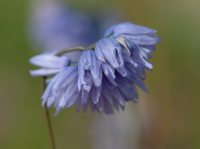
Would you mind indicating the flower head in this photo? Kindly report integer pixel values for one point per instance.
(106, 75)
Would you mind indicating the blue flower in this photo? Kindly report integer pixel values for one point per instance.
(107, 74)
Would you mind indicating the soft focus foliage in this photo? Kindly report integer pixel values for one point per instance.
(54, 25)
(172, 117)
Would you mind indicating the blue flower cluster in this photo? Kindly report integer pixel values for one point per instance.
(105, 76)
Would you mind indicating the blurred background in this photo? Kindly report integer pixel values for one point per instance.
(165, 118)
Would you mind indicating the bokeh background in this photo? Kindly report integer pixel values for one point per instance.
(165, 118)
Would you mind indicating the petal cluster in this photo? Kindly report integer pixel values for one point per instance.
(106, 76)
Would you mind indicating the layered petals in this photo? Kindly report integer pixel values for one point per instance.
(62, 90)
(106, 76)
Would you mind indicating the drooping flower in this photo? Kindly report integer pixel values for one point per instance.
(106, 75)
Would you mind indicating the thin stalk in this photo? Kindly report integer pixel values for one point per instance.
(48, 119)
(63, 51)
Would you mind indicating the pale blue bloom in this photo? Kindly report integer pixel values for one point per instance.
(106, 76)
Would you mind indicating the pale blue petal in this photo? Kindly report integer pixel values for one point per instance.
(128, 28)
(95, 94)
(143, 39)
(50, 61)
(108, 48)
(109, 73)
(98, 52)
(44, 72)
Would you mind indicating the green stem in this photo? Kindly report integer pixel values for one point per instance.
(48, 119)
(63, 51)
(91, 47)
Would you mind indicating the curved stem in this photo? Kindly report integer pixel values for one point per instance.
(48, 119)
(63, 51)
(92, 47)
